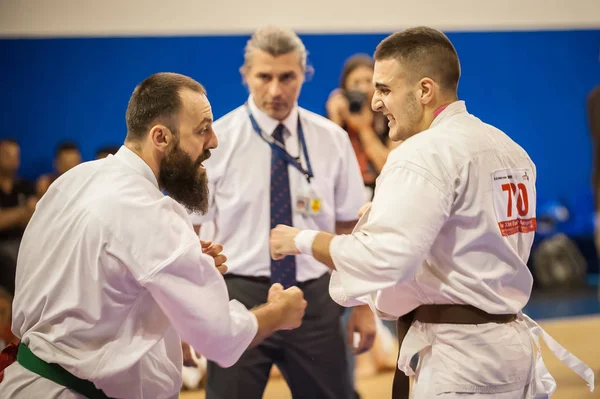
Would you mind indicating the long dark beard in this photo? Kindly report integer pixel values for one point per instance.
(179, 176)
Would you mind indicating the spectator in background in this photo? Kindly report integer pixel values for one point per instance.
(67, 156)
(17, 203)
(6, 335)
(103, 152)
(350, 107)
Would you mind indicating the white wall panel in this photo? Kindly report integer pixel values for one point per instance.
(55, 18)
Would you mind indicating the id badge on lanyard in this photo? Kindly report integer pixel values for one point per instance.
(307, 201)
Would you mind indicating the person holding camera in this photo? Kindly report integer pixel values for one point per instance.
(349, 106)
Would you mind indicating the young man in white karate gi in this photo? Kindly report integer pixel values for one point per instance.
(445, 243)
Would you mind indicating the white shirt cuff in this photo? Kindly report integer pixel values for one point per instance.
(304, 241)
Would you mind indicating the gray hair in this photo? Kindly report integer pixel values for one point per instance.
(276, 41)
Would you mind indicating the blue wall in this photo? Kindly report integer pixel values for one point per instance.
(533, 85)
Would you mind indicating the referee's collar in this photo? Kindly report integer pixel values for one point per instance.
(268, 124)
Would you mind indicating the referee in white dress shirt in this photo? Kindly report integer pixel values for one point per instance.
(277, 162)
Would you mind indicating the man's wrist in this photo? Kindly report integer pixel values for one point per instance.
(363, 308)
(270, 317)
(304, 241)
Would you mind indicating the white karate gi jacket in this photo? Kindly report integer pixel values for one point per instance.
(110, 278)
(453, 222)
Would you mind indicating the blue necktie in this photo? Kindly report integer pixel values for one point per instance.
(283, 271)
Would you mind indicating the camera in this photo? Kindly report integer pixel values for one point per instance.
(356, 99)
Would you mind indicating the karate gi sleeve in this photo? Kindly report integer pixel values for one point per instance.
(405, 218)
(193, 295)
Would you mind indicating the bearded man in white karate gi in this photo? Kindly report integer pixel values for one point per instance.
(111, 276)
(444, 246)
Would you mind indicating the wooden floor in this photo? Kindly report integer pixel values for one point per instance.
(581, 336)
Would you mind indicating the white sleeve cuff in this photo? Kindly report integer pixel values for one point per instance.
(304, 241)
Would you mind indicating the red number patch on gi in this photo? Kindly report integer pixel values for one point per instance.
(514, 201)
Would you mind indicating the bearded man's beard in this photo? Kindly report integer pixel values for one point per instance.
(181, 178)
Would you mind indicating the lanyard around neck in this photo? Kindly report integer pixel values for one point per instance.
(280, 149)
